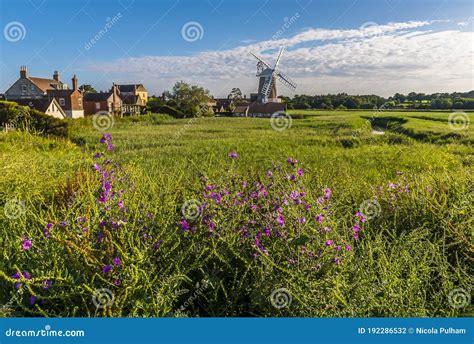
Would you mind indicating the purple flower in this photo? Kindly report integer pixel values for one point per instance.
(292, 161)
(32, 299)
(269, 173)
(17, 285)
(117, 261)
(26, 275)
(106, 269)
(327, 193)
(361, 216)
(348, 247)
(320, 218)
(329, 242)
(16, 275)
(356, 228)
(233, 155)
(337, 248)
(267, 232)
(281, 220)
(184, 224)
(300, 172)
(26, 244)
(157, 245)
(120, 204)
(47, 284)
(97, 167)
(47, 230)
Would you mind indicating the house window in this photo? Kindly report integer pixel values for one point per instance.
(97, 106)
(62, 102)
(32, 87)
(24, 88)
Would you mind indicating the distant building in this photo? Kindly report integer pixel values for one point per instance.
(30, 88)
(257, 109)
(134, 99)
(109, 102)
(50, 107)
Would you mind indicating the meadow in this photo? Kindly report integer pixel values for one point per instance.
(343, 213)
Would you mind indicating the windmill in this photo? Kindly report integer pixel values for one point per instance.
(267, 84)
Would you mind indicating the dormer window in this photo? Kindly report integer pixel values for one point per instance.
(32, 87)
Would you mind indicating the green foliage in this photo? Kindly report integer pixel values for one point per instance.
(413, 100)
(409, 258)
(191, 99)
(27, 119)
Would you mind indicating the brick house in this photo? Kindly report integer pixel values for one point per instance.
(109, 102)
(71, 100)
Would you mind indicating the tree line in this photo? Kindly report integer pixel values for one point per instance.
(413, 100)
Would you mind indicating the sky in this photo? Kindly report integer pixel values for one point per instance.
(353, 46)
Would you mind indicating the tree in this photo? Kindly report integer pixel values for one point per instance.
(191, 99)
(87, 88)
(235, 94)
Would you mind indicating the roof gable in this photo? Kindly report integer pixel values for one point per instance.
(44, 84)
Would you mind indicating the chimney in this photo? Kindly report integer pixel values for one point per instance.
(23, 72)
(74, 82)
(114, 96)
(56, 75)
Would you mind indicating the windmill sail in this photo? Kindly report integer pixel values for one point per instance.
(268, 76)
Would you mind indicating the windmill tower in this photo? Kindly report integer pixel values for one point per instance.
(267, 91)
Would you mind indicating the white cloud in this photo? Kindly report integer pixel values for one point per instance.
(384, 59)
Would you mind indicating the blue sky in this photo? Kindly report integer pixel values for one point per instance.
(354, 46)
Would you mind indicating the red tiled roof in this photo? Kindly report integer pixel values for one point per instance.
(43, 84)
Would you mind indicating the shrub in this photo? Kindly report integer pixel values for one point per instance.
(25, 118)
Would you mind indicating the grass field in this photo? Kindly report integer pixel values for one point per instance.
(259, 236)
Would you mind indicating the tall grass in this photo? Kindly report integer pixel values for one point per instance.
(412, 252)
